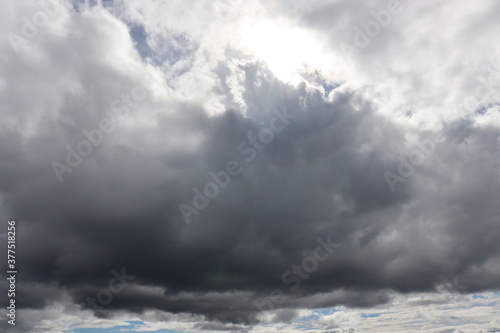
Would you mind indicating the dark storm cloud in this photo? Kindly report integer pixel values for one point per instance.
(322, 176)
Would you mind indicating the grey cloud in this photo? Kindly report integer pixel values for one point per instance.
(322, 175)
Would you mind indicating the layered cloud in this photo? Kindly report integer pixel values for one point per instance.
(248, 163)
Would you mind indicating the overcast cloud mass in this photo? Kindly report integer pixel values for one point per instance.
(251, 166)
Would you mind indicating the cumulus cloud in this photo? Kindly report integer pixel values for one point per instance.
(245, 181)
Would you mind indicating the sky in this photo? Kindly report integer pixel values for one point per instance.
(324, 166)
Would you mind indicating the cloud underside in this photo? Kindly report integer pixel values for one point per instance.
(326, 173)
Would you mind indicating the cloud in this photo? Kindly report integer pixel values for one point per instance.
(322, 175)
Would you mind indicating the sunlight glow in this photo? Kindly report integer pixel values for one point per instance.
(287, 51)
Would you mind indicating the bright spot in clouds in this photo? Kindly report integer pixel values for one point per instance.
(285, 50)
